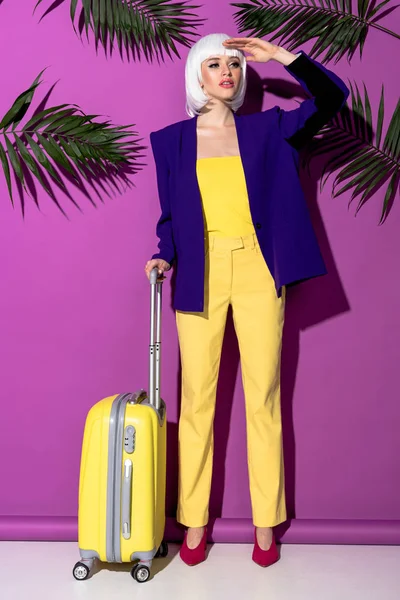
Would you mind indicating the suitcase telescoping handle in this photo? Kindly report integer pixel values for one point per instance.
(155, 338)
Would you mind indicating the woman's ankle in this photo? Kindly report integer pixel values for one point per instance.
(264, 537)
(195, 532)
(194, 536)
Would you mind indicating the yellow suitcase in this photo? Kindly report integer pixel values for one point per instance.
(121, 516)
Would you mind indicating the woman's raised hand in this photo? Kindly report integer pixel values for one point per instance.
(259, 50)
(157, 262)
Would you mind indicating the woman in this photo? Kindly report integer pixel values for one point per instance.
(235, 223)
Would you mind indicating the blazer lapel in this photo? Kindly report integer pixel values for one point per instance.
(186, 179)
(250, 155)
(188, 151)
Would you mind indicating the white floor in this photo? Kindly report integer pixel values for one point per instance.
(43, 571)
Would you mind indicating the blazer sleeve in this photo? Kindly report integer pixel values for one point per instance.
(166, 244)
(329, 94)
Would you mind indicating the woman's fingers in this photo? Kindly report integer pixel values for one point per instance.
(244, 40)
(156, 262)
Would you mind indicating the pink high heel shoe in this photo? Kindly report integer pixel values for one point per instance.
(264, 558)
(194, 556)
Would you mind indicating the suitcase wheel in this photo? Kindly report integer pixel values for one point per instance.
(81, 571)
(140, 573)
(162, 552)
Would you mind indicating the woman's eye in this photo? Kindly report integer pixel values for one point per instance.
(235, 64)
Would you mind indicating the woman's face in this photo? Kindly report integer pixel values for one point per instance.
(217, 69)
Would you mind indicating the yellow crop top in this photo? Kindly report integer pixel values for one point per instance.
(224, 196)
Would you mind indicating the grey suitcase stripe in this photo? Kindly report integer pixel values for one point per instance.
(113, 511)
(111, 480)
(118, 477)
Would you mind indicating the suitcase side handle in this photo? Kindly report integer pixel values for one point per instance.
(155, 338)
(127, 500)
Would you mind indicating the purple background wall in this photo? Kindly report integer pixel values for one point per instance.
(74, 302)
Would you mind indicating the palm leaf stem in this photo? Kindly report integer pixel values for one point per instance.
(68, 136)
(355, 18)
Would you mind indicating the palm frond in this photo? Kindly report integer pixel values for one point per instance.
(65, 138)
(367, 162)
(148, 26)
(337, 28)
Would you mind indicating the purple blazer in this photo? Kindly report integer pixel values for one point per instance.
(269, 144)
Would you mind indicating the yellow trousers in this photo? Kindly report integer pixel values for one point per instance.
(236, 274)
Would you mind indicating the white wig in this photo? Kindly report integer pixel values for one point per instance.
(210, 45)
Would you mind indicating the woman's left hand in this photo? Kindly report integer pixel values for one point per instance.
(259, 50)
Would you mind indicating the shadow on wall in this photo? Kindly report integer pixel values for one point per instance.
(308, 304)
(52, 7)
